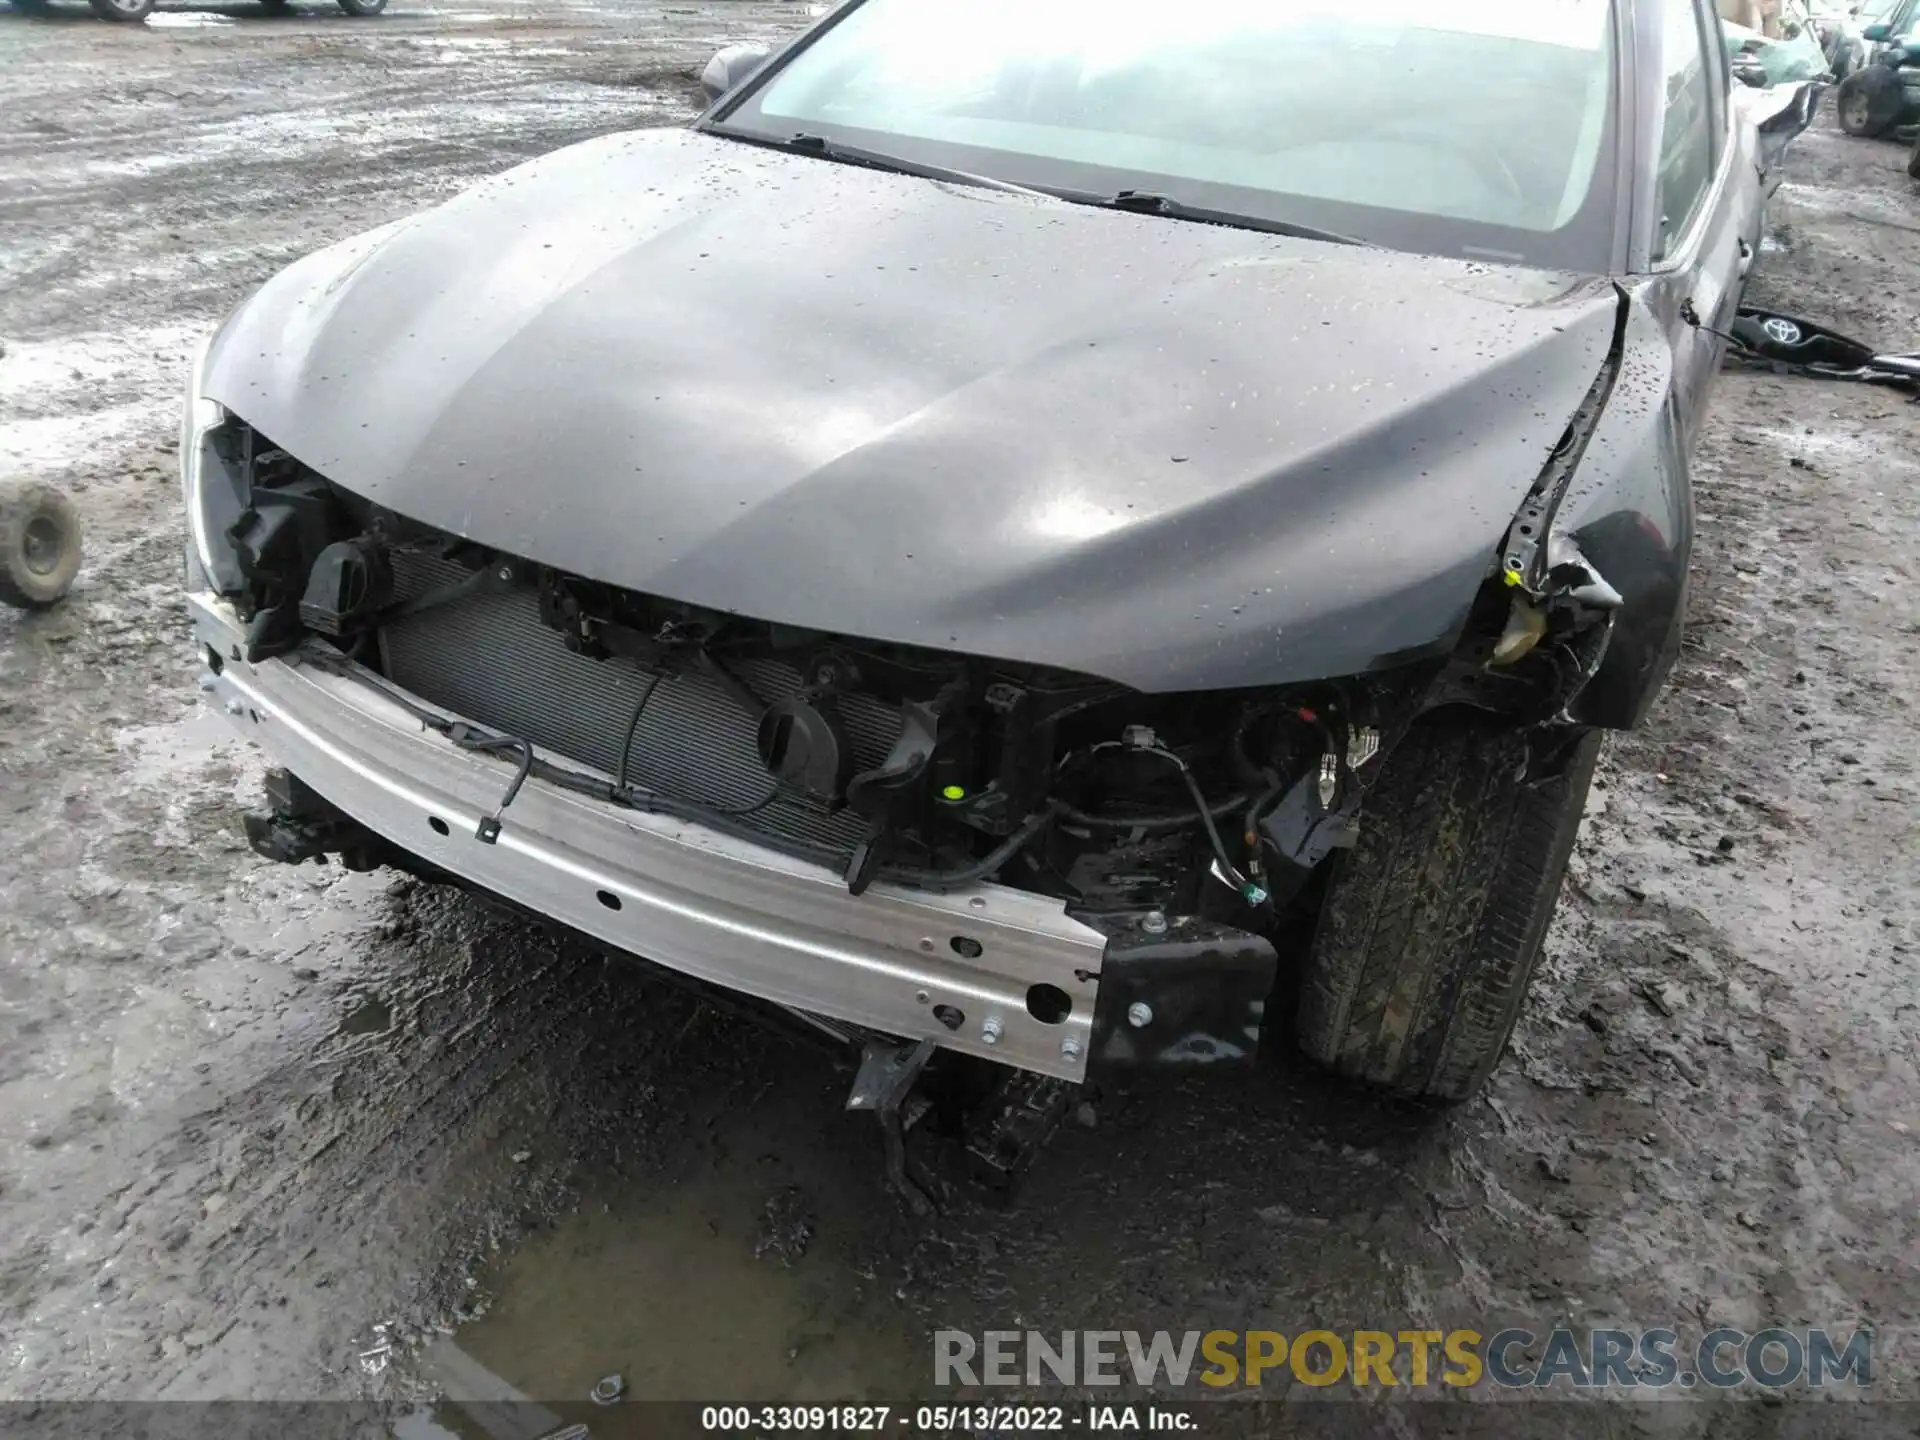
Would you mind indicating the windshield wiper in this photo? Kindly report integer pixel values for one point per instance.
(1140, 202)
(1152, 202)
(807, 143)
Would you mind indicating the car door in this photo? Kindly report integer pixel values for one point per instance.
(1707, 199)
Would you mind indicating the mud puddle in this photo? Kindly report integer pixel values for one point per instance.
(185, 20)
(749, 1270)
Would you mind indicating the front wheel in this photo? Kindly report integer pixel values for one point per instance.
(1868, 101)
(1433, 921)
(362, 7)
(127, 10)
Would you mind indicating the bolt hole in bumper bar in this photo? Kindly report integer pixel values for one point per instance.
(712, 906)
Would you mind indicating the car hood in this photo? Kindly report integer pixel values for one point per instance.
(1181, 456)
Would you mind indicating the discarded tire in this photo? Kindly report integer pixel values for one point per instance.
(1868, 101)
(39, 544)
(1431, 927)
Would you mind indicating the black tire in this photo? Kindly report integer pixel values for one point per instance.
(130, 11)
(1868, 101)
(1433, 921)
(39, 544)
(362, 8)
(276, 7)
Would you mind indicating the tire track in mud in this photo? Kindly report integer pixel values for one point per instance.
(345, 1157)
(1722, 983)
(282, 152)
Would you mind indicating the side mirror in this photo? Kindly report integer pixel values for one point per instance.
(729, 66)
(1876, 33)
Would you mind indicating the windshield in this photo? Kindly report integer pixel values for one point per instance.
(1455, 126)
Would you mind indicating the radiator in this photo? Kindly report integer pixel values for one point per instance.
(488, 657)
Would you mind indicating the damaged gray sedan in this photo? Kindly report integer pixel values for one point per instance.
(1024, 533)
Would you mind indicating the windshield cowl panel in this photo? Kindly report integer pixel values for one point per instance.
(1483, 128)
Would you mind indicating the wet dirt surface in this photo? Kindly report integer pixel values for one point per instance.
(248, 1114)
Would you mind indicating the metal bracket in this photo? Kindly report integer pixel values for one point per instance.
(1009, 1133)
(884, 1084)
(300, 825)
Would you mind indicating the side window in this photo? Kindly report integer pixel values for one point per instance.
(1686, 135)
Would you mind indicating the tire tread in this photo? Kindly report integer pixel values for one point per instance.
(20, 502)
(1434, 919)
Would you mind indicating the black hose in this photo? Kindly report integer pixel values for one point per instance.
(940, 881)
(481, 743)
(1244, 770)
(438, 595)
(1162, 820)
(1206, 818)
(1201, 809)
(633, 726)
(1154, 821)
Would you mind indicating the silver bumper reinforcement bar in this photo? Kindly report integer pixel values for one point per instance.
(713, 906)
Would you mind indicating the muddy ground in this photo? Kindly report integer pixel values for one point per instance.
(282, 1133)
